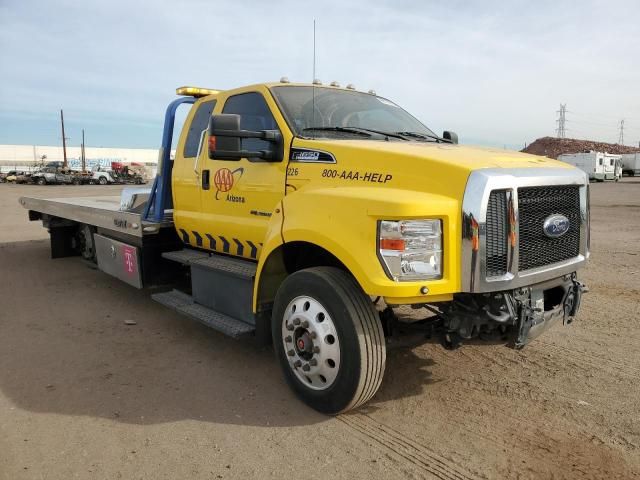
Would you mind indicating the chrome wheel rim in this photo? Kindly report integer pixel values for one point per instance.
(311, 343)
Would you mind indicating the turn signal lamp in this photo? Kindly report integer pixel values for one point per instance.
(195, 91)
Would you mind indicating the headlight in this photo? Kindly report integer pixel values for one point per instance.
(411, 249)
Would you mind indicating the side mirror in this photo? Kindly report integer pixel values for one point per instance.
(451, 136)
(225, 140)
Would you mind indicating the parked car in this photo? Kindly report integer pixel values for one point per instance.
(11, 176)
(23, 177)
(104, 177)
(128, 175)
(51, 176)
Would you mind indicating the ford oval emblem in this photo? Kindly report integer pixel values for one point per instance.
(556, 225)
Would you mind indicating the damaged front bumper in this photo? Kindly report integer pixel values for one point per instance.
(542, 305)
(518, 315)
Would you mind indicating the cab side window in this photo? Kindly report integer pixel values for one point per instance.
(254, 115)
(199, 123)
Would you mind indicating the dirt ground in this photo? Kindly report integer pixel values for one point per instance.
(84, 395)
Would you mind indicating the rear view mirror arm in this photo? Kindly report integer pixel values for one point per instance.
(268, 135)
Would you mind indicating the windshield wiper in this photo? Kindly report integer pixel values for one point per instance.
(424, 136)
(357, 130)
(381, 132)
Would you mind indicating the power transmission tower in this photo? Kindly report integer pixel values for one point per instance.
(621, 137)
(562, 118)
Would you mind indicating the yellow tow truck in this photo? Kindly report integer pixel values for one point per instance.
(290, 210)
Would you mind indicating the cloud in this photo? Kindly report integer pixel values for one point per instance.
(493, 71)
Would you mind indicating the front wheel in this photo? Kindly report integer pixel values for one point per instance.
(102, 180)
(41, 181)
(328, 339)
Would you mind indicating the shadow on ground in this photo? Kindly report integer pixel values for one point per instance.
(65, 348)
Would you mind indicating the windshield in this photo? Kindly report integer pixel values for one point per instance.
(334, 111)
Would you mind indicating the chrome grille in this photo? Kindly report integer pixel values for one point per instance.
(497, 234)
(535, 204)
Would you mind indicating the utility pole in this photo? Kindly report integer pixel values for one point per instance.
(82, 152)
(621, 137)
(64, 141)
(562, 118)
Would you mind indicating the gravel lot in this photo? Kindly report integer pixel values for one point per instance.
(84, 395)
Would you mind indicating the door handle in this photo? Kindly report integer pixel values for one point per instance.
(205, 180)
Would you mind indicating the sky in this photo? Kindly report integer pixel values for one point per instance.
(494, 72)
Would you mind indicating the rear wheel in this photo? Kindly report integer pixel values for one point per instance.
(41, 181)
(102, 180)
(85, 242)
(328, 339)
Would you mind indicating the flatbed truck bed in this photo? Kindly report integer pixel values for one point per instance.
(104, 212)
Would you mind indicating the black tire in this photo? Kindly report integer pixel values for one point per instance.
(102, 180)
(361, 338)
(86, 243)
(41, 181)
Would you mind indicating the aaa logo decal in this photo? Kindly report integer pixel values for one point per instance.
(224, 179)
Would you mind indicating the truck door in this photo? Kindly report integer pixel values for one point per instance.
(241, 195)
(186, 178)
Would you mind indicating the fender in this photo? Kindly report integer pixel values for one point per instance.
(343, 221)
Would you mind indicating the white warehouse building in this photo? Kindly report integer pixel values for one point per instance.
(30, 157)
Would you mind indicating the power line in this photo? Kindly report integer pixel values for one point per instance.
(596, 124)
(603, 116)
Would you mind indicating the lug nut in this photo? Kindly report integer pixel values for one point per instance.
(313, 362)
(316, 349)
(306, 367)
(313, 334)
(297, 363)
(289, 327)
(288, 339)
(291, 353)
(296, 321)
(304, 324)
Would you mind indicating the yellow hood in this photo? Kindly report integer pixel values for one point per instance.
(468, 157)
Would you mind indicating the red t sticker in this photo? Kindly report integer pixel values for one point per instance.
(129, 258)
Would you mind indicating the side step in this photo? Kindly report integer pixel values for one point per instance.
(220, 283)
(184, 304)
(185, 256)
(229, 265)
(232, 266)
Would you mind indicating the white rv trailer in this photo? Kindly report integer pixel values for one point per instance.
(600, 166)
(631, 164)
(592, 163)
(612, 166)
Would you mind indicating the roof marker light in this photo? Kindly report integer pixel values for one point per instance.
(284, 79)
(317, 81)
(351, 86)
(195, 91)
(371, 92)
(334, 84)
